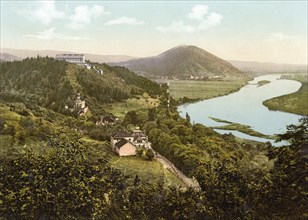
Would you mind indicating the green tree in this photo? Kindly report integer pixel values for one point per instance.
(151, 114)
(136, 180)
(2, 123)
(187, 117)
(149, 153)
(131, 118)
(297, 135)
(289, 190)
(139, 151)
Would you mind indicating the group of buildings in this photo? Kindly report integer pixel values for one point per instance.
(79, 59)
(126, 143)
(79, 105)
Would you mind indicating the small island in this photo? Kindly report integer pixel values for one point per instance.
(246, 129)
(263, 82)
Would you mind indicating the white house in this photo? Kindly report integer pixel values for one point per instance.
(125, 143)
(125, 148)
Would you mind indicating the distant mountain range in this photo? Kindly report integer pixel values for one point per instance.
(21, 54)
(183, 62)
(261, 68)
(8, 57)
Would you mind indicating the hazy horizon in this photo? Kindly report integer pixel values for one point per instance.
(274, 31)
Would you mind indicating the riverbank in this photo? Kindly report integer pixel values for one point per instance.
(296, 103)
(243, 111)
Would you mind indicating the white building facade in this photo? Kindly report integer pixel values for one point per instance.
(72, 58)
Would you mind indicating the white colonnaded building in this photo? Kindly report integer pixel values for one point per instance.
(72, 58)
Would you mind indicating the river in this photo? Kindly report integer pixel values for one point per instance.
(245, 107)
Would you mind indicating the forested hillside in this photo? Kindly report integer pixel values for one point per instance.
(54, 84)
(56, 166)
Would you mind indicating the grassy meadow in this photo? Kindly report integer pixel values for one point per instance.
(203, 89)
(119, 109)
(152, 171)
(297, 102)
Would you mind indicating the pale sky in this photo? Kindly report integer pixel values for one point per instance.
(263, 31)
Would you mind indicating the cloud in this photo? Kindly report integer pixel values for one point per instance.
(83, 15)
(44, 35)
(202, 20)
(124, 20)
(198, 12)
(278, 37)
(211, 20)
(47, 12)
(176, 27)
(50, 34)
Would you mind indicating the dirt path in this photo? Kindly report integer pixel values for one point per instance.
(170, 166)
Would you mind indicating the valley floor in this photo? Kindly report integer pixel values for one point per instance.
(197, 90)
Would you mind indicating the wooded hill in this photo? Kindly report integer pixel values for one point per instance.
(183, 62)
(53, 84)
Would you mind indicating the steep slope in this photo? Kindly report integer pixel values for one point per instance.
(183, 62)
(53, 84)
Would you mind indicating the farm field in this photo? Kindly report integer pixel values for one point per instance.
(119, 109)
(203, 89)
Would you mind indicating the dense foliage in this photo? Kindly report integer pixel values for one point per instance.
(41, 81)
(59, 182)
(289, 176)
(132, 78)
